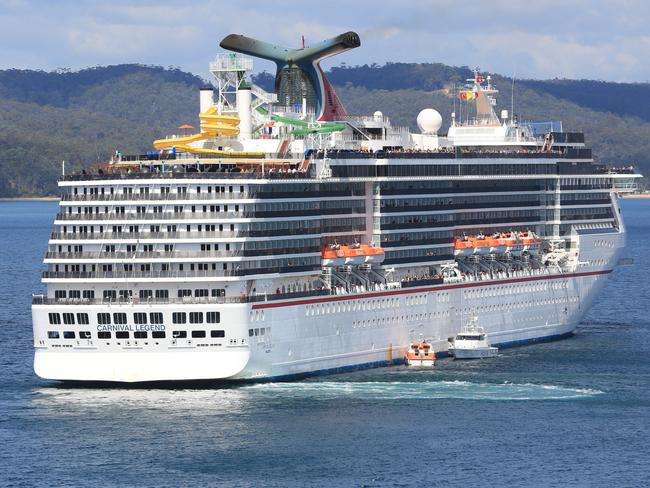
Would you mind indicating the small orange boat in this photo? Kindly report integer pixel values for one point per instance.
(420, 354)
(332, 255)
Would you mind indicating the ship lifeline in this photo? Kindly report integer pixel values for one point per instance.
(287, 238)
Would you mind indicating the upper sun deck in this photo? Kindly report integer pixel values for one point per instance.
(567, 160)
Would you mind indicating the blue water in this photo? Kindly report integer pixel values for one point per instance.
(570, 413)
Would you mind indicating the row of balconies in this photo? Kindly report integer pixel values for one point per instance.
(176, 274)
(326, 212)
(181, 254)
(258, 297)
(120, 197)
(228, 234)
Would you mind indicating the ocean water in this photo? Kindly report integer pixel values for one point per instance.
(569, 413)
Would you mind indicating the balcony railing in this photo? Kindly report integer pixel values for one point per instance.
(205, 196)
(174, 275)
(302, 232)
(148, 216)
(263, 297)
(181, 254)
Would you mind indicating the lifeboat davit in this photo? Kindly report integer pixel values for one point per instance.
(420, 354)
(530, 241)
(332, 255)
(498, 244)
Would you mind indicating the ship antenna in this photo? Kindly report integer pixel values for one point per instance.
(512, 97)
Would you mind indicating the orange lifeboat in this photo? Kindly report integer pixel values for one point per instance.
(499, 243)
(332, 255)
(420, 354)
(353, 254)
(373, 255)
(468, 245)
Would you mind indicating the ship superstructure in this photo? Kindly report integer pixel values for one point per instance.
(275, 242)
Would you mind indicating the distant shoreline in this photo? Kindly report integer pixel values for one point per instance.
(29, 199)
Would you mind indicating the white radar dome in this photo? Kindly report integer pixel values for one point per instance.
(429, 121)
(377, 115)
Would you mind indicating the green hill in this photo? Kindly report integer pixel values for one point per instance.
(82, 117)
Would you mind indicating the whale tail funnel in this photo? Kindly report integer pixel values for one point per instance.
(299, 75)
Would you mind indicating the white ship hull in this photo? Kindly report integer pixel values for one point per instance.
(475, 353)
(335, 333)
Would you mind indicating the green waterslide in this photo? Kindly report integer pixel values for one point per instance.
(304, 126)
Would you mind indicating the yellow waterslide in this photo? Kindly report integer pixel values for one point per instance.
(212, 125)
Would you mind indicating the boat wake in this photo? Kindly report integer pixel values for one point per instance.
(380, 390)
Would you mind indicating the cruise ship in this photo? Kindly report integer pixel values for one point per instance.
(284, 237)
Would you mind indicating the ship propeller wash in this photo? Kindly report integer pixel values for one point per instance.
(287, 237)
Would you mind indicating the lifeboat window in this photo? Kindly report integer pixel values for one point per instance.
(53, 334)
(103, 334)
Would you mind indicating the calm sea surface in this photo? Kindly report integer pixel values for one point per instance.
(569, 413)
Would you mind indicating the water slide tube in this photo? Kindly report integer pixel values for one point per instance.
(212, 125)
(304, 126)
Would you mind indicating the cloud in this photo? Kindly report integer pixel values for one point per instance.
(543, 39)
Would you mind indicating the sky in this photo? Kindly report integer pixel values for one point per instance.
(593, 39)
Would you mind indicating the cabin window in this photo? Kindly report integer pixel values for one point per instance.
(122, 334)
(119, 318)
(55, 318)
(52, 334)
(156, 318)
(104, 318)
(140, 318)
(198, 333)
(221, 333)
(213, 317)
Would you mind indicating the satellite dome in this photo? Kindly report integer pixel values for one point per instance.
(429, 121)
(377, 115)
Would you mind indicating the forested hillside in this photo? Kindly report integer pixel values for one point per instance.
(82, 117)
